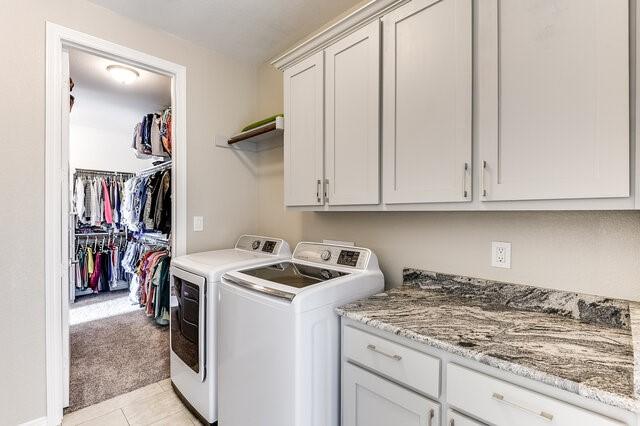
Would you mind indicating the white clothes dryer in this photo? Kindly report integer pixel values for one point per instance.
(194, 300)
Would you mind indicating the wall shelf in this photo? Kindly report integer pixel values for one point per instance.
(261, 138)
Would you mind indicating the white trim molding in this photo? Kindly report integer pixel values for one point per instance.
(360, 17)
(41, 421)
(59, 38)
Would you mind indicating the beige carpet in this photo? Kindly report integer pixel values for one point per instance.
(115, 355)
(101, 305)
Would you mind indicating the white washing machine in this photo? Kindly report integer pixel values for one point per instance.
(279, 336)
(194, 300)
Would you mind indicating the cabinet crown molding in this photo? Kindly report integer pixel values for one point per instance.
(371, 10)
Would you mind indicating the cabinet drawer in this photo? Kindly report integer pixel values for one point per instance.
(501, 403)
(404, 365)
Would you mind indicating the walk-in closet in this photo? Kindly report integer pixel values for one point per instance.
(120, 204)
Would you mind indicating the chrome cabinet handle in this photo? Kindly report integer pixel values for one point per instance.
(432, 414)
(318, 189)
(482, 185)
(376, 350)
(452, 422)
(326, 190)
(465, 193)
(500, 398)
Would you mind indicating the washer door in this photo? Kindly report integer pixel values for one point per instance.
(188, 315)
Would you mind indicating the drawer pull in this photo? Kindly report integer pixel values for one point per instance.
(376, 350)
(432, 414)
(500, 398)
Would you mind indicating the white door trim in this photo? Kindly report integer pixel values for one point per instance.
(57, 38)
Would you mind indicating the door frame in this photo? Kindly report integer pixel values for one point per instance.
(59, 38)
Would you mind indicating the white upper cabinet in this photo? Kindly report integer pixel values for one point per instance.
(303, 133)
(553, 99)
(400, 108)
(352, 142)
(427, 85)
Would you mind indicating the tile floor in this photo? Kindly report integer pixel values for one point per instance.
(155, 404)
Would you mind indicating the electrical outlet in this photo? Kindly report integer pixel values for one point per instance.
(500, 254)
(198, 223)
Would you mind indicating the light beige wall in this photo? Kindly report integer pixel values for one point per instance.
(590, 252)
(220, 98)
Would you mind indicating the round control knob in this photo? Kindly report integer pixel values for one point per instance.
(325, 255)
(255, 245)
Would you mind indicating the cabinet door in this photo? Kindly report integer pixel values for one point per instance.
(427, 80)
(457, 419)
(352, 97)
(368, 400)
(303, 133)
(553, 99)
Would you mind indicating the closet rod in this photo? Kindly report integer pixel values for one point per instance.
(102, 172)
(151, 170)
(100, 234)
(154, 239)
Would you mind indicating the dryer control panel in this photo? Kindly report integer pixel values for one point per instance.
(258, 244)
(330, 254)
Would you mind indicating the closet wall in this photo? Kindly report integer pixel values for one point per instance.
(592, 252)
(220, 100)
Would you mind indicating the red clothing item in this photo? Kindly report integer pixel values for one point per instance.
(97, 270)
(108, 214)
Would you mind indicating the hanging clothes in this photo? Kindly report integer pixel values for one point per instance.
(79, 197)
(97, 200)
(108, 215)
(99, 267)
(165, 130)
(147, 203)
(152, 136)
(150, 284)
(162, 214)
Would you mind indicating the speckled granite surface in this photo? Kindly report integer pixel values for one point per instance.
(583, 344)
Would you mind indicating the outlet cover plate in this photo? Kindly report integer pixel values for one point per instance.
(501, 254)
(198, 223)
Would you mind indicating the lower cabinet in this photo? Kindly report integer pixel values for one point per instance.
(369, 400)
(457, 419)
(502, 403)
(386, 383)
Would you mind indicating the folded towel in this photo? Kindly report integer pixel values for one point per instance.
(262, 122)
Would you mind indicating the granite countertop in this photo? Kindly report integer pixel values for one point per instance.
(583, 344)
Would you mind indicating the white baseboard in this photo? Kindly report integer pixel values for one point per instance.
(42, 421)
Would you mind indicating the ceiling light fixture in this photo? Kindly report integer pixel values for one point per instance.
(122, 74)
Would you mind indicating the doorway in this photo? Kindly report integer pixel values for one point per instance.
(61, 243)
(120, 146)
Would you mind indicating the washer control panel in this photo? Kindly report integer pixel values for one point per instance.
(259, 244)
(329, 254)
(348, 258)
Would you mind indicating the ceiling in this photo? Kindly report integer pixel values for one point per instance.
(250, 30)
(89, 72)
(100, 100)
